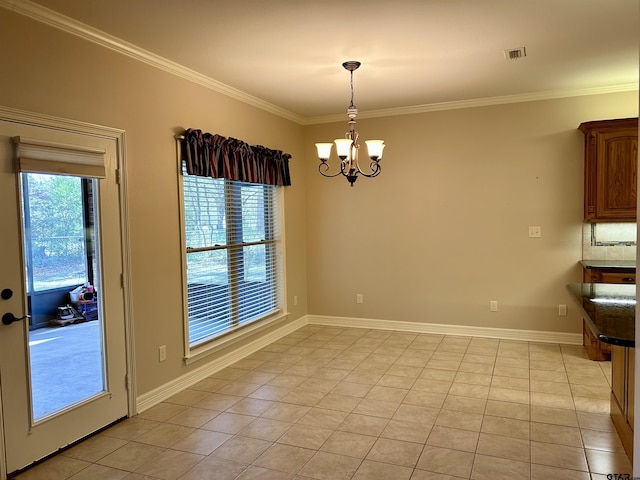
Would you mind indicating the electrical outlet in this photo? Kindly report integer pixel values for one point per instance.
(535, 232)
(562, 310)
(359, 298)
(295, 300)
(162, 353)
(493, 306)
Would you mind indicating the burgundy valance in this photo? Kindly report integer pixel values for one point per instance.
(212, 155)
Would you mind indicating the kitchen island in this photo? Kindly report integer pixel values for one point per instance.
(609, 310)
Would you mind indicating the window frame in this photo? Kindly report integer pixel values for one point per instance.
(214, 343)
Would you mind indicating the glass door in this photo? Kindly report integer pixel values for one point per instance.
(63, 355)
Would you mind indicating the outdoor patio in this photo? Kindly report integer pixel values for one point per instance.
(66, 366)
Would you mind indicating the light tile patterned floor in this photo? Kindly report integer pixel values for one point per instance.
(334, 403)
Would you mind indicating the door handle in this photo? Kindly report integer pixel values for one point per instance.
(8, 318)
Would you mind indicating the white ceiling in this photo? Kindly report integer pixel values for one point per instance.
(413, 52)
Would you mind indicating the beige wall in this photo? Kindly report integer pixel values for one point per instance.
(50, 72)
(441, 232)
(444, 229)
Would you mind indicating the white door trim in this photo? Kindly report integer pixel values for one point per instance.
(56, 123)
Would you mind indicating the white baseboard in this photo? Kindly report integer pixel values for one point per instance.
(443, 329)
(157, 395)
(161, 393)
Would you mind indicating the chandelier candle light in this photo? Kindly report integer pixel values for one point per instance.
(347, 147)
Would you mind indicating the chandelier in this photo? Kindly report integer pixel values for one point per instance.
(347, 147)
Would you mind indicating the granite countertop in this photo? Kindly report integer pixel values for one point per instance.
(608, 263)
(608, 309)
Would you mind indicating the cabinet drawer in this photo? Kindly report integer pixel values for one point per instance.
(617, 277)
(609, 275)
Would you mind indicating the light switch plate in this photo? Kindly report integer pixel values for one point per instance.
(535, 232)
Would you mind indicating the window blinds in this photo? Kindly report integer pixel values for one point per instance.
(232, 255)
(39, 156)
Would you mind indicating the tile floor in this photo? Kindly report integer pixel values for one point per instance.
(335, 403)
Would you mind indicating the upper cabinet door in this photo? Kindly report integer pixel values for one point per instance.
(611, 169)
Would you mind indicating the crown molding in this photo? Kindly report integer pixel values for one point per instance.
(69, 25)
(479, 102)
(66, 124)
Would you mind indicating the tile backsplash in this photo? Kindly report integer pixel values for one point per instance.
(609, 241)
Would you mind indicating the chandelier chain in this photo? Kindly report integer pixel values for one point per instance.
(352, 105)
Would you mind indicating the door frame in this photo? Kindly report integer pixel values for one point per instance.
(56, 123)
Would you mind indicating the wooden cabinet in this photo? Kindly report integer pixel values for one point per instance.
(631, 385)
(610, 170)
(597, 350)
(622, 396)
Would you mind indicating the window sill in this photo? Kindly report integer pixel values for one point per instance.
(214, 346)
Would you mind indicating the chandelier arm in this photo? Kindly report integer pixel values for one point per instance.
(375, 170)
(374, 165)
(324, 167)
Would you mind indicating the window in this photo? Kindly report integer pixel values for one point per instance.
(57, 235)
(613, 234)
(59, 187)
(231, 233)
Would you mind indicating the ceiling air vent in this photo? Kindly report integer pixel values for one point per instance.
(515, 53)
